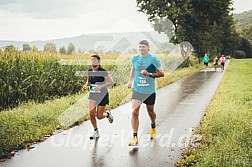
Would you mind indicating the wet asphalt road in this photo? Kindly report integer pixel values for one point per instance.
(179, 107)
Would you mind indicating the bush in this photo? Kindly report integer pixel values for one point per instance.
(239, 54)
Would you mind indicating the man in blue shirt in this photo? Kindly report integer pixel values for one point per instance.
(205, 59)
(145, 68)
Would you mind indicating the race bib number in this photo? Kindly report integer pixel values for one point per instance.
(143, 82)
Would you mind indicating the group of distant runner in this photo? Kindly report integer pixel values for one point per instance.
(216, 61)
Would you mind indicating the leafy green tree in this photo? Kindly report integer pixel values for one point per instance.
(62, 50)
(70, 48)
(247, 32)
(10, 48)
(26, 47)
(202, 23)
(50, 47)
(246, 46)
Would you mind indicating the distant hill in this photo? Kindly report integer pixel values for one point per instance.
(243, 19)
(115, 42)
(244, 24)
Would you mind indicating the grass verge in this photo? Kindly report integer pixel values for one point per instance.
(224, 137)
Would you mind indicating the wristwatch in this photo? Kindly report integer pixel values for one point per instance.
(150, 74)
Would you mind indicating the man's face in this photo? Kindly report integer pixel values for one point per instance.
(143, 49)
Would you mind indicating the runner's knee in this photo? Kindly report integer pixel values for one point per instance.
(151, 111)
(91, 115)
(135, 113)
(100, 116)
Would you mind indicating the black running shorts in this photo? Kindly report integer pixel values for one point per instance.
(102, 99)
(148, 99)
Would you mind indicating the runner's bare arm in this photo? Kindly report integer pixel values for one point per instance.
(86, 84)
(132, 74)
(109, 81)
(159, 73)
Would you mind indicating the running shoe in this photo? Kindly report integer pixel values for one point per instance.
(152, 133)
(134, 141)
(110, 117)
(95, 135)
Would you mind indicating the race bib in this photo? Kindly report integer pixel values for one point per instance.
(92, 88)
(143, 81)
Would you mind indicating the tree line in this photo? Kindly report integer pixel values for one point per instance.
(208, 25)
(51, 48)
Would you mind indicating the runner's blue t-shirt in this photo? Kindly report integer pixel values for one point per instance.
(144, 84)
(206, 59)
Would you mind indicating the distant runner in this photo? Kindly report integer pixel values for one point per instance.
(205, 59)
(215, 62)
(223, 60)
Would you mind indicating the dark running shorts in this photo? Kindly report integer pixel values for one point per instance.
(148, 99)
(222, 64)
(101, 99)
(206, 64)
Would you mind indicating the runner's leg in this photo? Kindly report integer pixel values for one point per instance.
(92, 112)
(135, 121)
(135, 113)
(100, 112)
(151, 112)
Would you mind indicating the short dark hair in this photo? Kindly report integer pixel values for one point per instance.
(96, 56)
(144, 42)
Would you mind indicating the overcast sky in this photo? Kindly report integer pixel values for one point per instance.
(29, 20)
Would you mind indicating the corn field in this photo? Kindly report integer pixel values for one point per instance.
(35, 76)
(39, 76)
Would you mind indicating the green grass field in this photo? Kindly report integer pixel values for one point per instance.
(225, 134)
